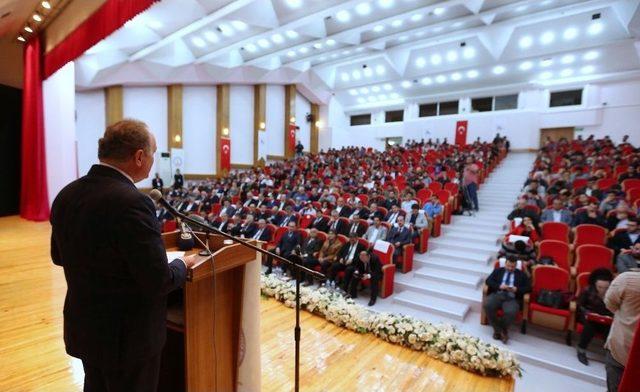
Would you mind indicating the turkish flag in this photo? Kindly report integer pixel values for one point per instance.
(225, 154)
(461, 133)
(292, 137)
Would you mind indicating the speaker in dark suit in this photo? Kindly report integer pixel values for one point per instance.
(106, 236)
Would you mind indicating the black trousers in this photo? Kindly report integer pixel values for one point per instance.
(334, 269)
(589, 330)
(310, 263)
(141, 377)
(348, 276)
(374, 285)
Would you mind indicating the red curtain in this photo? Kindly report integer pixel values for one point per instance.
(225, 154)
(107, 19)
(34, 199)
(461, 133)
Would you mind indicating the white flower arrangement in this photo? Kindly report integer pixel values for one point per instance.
(443, 342)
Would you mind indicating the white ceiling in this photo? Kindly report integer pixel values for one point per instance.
(371, 52)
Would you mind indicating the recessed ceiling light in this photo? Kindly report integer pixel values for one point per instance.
(199, 42)
(426, 81)
(547, 37)
(292, 34)
(345, 77)
(595, 28)
(363, 9)
(375, 89)
(361, 100)
(421, 62)
(28, 29)
(525, 42)
(380, 70)
(364, 90)
(387, 87)
(263, 43)
(439, 11)
(353, 92)
(568, 59)
(277, 38)
(469, 52)
(343, 16)
(436, 59)
(378, 28)
(566, 72)
(546, 62)
(499, 69)
(239, 25)
(294, 3)
(406, 84)
(317, 45)
(225, 30)
(356, 75)
(367, 72)
(385, 3)
(416, 17)
(472, 74)
(452, 56)
(456, 76)
(251, 48)
(211, 36)
(46, 4)
(441, 78)
(21, 38)
(526, 65)
(592, 55)
(292, 53)
(570, 33)
(546, 2)
(394, 95)
(37, 17)
(396, 23)
(303, 50)
(331, 42)
(546, 75)
(587, 69)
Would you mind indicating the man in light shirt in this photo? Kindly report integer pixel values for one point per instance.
(376, 231)
(557, 213)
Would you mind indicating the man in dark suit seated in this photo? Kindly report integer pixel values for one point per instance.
(309, 254)
(223, 225)
(320, 222)
(374, 212)
(343, 209)
(335, 224)
(367, 266)
(359, 210)
(625, 240)
(558, 213)
(287, 244)
(247, 229)
(356, 227)
(392, 216)
(262, 232)
(399, 235)
(590, 215)
(507, 286)
(263, 213)
(347, 255)
(107, 238)
(284, 220)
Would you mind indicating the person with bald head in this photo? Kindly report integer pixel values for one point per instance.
(106, 236)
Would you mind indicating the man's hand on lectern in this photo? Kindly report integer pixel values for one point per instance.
(191, 260)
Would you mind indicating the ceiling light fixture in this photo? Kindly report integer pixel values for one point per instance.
(456, 76)
(46, 5)
(37, 17)
(452, 56)
(472, 74)
(525, 42)
(21, 39)
(380, 70)
(595, 28)
(343, 16)
(292, 53)
(317, 45)
(353, 92)
(469, 52)
(363, 9)
(292, 34)
(199, 42)
(263, 43)
(499, 69)
(239, 25)
(396, 23)
(331, 42)
(251, 48)
(387, 87)
(547, 37)
(421, 62)
(568, 59)
(277, 38)
(367, 72)
(416, 17)
(385, 3)
(526, 65)
(356, 75)
(436, 59)
(546, 62)
(294, 3)
(592, 55)
(406, 84)
(587, 69)
(566, 72)
(570, 33)
(225, 30)
(439, 11)
(303, 50)
(441, 78)
(345, 77)
(378, 28)
(211, 36)
(28, 29)
(426, 81)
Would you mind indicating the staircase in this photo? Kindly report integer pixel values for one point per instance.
(446, 286)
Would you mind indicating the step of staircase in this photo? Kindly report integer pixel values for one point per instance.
(472, 231)
(463, 279)
(447, 243)
(470, 237)
(479, 257)
(432, 304)
(453, 265)
(463, 295)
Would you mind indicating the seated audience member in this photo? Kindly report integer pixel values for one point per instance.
(309, 252)
(526, 229)
(227, 209)
(284, 220)
(629, 174)
(263, 213)
(359, 211)
(347, 255)
(623, 299)
(329, 253)
(393, 215)
(343, 209)
(309, 210)
(245, 230)
(432, 207)
(591, 301)
(399, 235)
(625, 239)
(262, 232)
(391, 201)
(335, 223)
(320, 222)
(629, 259)
(609, 203)
(374, 212)
(223, 225)
(356, 227)
(591, 189)
(367, 267)
(286, 246)
(534, 199)
(619, 218)
(582, 202)
(507, 286)
(417, 220)
(558, 213)
(376, 231)
(590, 215)
(521, 211)
(535, 187)
(520, 250)
(407, 202)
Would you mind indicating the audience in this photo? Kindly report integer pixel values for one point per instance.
(590, 303)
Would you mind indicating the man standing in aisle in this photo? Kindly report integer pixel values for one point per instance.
(470, 182)
(106, 236)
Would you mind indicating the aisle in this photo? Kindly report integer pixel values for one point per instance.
(446, 285)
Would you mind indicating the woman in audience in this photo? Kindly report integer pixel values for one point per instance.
(591, 308)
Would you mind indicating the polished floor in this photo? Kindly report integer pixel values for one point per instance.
(32, 356)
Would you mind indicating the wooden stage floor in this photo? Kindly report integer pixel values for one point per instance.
(32, 356)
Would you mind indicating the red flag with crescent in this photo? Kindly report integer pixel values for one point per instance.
(461, 133)
(225, 154)
(292, 137)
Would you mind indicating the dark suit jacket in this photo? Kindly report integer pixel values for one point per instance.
(157, 183)
(360, 230)
(374, 267)
(375, 213)
(222, 226)
(178, 181)
(345, 211)
(397, 235)
(622, 241)
(520, 281)
(344, 251)
(264, 236)
(106, 236)
(339, 227)
(320, 223)
(248, 231)
(280, 220)
(310, 247)
(583, 218)
(288, 242)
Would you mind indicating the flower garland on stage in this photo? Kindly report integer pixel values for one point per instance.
(443, 342)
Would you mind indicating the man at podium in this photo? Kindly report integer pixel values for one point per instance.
(106, 237)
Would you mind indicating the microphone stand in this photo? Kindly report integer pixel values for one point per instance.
(295, 264)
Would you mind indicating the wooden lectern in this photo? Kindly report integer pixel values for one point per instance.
(204, 319)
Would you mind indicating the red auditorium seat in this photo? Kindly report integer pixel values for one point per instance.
(388, 271)
(606, 183)
(590, 257)
(435, 186)
(633, 194)
(555, 231)
(555, 279)
(559, 251)
(587, 234)
(169, 226)
(630, 183)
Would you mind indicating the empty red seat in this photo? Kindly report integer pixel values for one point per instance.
(555, 231)
(558, 251)
(587, 234)
(590, 257)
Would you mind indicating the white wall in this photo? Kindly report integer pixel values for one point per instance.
(608, 109)
(90, 126)
(58, 94)
(241, 123)
(275, 120)
(148, 104)
(303, 107)
(199, 129)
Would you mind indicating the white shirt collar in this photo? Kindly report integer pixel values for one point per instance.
(118, 170)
